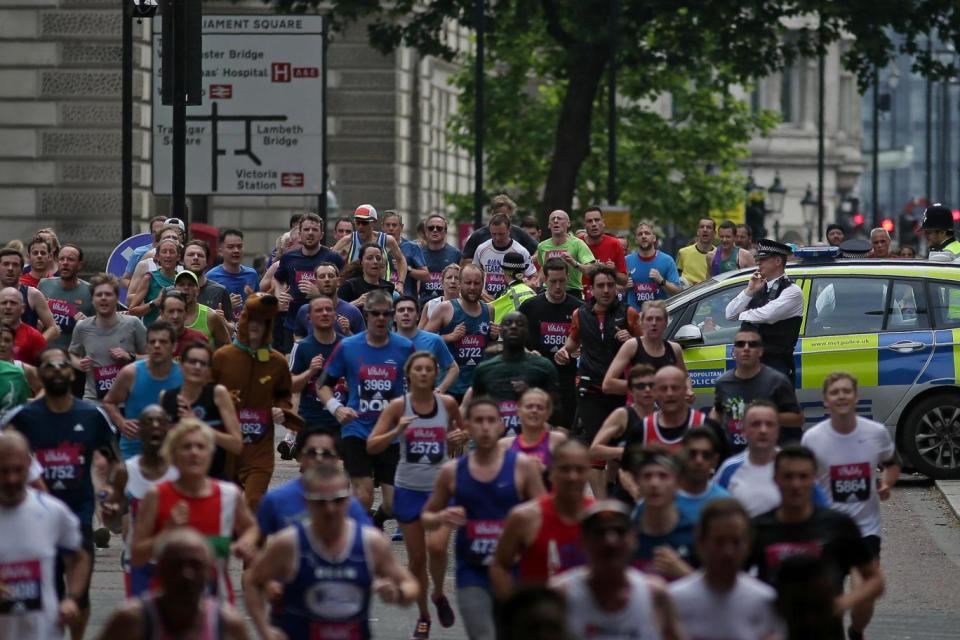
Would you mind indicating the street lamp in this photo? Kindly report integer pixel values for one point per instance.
(755, 209)
(777, 194)
(810, 207)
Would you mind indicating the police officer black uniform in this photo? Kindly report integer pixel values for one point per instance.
(937, 226)
(773, 305)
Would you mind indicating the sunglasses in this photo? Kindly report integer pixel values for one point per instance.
(197, 362)
(435, 228)
(753, 344)
(313, 452)
(376, 313)
(363, 222)
(56, 364)
(642, 385)
(336, 498)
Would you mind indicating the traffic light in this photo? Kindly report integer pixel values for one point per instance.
(858, 220)
(887, 225)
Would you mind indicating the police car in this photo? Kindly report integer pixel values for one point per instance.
(894, 324)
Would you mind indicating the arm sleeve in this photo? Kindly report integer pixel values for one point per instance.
(356, 321)
(736, 306)
(584, 255)
(140, 338)
(619, 260)
(298, 363)
(76, 343)
(301, 326)
(334, 368)
(671, 273)
(281, 273)
(786, 397)
(444, 357)
(789, 304)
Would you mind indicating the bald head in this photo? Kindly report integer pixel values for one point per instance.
(14, 468)
(13, 442)
(670, 389)
(171, 544)
(670, 373)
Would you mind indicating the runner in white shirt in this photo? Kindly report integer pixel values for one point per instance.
(849, 450)
(748, 476)
(34, 526)
(489, 255)
(608, 599)
(721, 602)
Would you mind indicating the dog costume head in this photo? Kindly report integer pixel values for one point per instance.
(263, 307)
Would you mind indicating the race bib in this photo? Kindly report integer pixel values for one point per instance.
(645, 291)
(508, 413)
(469, 350)
(734, 409)
(850, 482)
(555, 253)
(777, 553)
(434, 284)
(254, 424)
(63, 313)
(62, 466)
(482, 536)
(335, 631)
(425, 445)
(377, 383)
(495, 284)
(103, 377)
(304, 276)
(553, 335)
(22, 587)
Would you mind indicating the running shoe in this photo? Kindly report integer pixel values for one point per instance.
(444, 611)
(422, 630)
(101, 538)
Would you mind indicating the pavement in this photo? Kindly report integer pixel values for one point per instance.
(951, 493)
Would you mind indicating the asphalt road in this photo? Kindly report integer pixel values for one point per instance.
(920, 557)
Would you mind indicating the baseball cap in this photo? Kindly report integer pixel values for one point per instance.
(365, 212)
(186, 273)
(176, 222)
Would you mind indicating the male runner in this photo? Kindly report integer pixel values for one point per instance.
(407, 316)
(437, 254)
(238, 279)
(474, 495)
(104, 343)
(34, 310)
(68, 297)
(329, 565)
(577, 257)
(541, 538)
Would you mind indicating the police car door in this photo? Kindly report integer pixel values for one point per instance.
(874, 328)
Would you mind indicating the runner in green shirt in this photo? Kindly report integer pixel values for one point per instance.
(505, 377)
(570, 249)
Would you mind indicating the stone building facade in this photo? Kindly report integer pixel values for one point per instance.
(60, 140)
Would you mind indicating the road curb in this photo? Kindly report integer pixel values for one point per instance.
(950, 489)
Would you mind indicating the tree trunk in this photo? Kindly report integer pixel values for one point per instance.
(572, 140)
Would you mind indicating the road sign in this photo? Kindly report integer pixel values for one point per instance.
(259, 130)
(120, 256)
(616, 218)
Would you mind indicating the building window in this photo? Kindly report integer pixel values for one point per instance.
(787, 78)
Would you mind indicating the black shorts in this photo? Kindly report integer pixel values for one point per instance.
(566, 410)
(592, 410)
(86, 543)
(872, 543)
(360, 464)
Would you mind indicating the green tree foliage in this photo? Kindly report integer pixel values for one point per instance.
(548, 59)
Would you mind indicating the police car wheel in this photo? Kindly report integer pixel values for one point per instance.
(931, 437)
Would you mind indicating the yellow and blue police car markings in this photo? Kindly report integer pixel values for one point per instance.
(706, 364)
(820, 356)
(943, 365)
(898, 368)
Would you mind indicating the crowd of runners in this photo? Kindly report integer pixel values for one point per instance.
(515, 398)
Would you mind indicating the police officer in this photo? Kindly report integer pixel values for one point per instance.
(773, 305)
(937, 227)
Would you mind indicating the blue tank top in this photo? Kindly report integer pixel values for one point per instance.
(468, 351)
(487, 505)
(29, 316)
(381, 242)
(327, 599)
(146, 390)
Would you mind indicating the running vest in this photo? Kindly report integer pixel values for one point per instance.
(732, 263)
(423, 446)
(137, 579)
(487, 505)
(539, 449)
(328, 598)
(213, 517)
(153, 629)
(158, 283)
(668, 358)
(632, 435)
(28, 316)
(205, 409)
(200, 323)
(599, 340)
(146, 391)
(381, 241)
(586, 619)
(556, 547)
(653, 437)
(468, 350)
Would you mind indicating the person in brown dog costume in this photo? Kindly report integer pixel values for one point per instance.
(258, 379)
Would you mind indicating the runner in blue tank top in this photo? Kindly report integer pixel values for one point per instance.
(474, 494)
(329, 566)
(139, 384)
(372, 362)
(466, 325)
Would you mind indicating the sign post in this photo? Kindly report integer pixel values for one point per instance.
(259, 130)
